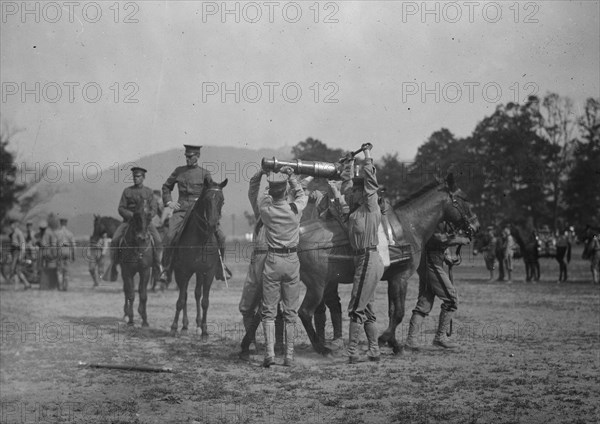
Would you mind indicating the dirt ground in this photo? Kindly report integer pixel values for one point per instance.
(530, 354)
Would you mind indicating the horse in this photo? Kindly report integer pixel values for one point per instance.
(197, 252)
(135, 255)
(102, 224)
(326, 258)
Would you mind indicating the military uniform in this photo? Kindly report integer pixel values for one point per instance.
(434, 281)
(17, 249)
(66, 244)
(363, 224)
(281, 275)
(190, 183)
(131, 198)
(252, 292)
(593, 252)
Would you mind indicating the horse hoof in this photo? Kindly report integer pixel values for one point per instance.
(130, 324)
(204, 338)
(145, 324)
(398, 350)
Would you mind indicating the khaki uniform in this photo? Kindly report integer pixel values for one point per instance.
(433, 278)
(252, 291)
(130, 199)
(190, 183)
(281, 275)
(363, 224)
(66, 245)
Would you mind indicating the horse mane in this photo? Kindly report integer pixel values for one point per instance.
(425, 189)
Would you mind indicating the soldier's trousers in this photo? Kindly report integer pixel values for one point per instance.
(281, 281)
(595, 266)
(368, 269)
(252, 291)
(434, 281)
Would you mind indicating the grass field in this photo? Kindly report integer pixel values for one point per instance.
(530, 354)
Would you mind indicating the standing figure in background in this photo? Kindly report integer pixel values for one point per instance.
(66, 244)
(508, 249)
(591, 252)
(531, 257)
(17, 250)
(563, 254)
(48, 254)
(489, 251)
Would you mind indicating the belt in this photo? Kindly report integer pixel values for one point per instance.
(259, 251)
(188, 198)
(283, 250)
(358, 252)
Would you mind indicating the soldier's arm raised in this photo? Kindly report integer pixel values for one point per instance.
(253, 191)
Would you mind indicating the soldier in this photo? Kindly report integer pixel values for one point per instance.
(66, 244)
(281, 275)
(434, 281)
(17, 249)
(252, 292)
(591, 252)
(48, 253)
(489, 251)
(130, 199)
(190, 183)
(363, 223)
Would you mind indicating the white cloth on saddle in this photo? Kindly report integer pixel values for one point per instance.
(383, 246)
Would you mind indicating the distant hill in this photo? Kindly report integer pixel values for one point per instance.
(80, 200)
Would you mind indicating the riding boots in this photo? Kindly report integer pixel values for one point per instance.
(414, 328)
(269, 329)
(441, 337)
(372, 334)
(354, 334)
(290, 329)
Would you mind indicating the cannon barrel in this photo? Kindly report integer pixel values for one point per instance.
(329, 170)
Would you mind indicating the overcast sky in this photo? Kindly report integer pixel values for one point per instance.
(360, 78)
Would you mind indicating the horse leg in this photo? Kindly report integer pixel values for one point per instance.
(182, 284)
(205, 302)
(397, 287)
(128, 290)
(312, 298)
(143, 290)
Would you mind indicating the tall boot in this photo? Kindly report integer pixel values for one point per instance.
(290, 335)
(251, 323)
(354, 334)
(336, 322)
(372, 334)
(269, 329)
(279, 333)
(320, 319)
(441, 337)
(414, 328)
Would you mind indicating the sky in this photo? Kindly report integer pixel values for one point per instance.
(109, 82)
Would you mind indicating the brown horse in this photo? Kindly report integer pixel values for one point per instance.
(326, 258)
(135, 256)
(197, 252)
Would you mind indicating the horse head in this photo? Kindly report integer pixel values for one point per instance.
(142, 217)
(458, 211)
(207, 210)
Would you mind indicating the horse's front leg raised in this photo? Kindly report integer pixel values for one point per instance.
(397, 286)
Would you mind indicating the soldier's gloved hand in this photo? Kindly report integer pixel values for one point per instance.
(173, 205)
(287, 170)
(366, 146)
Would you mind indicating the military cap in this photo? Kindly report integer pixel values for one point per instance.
(63, 220)
(191, 150)
(43, 224)
(277, 187)
(138, 169)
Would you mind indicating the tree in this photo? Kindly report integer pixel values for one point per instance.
(10, 186)
(582, 193)
(314, 149)
(558, 125)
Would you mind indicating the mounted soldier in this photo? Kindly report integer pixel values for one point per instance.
(130, 199)
(190, 180)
